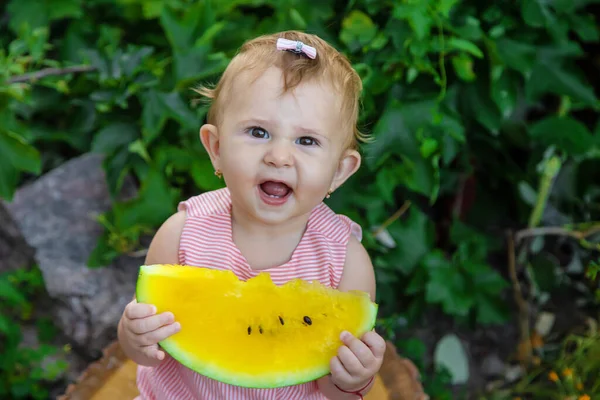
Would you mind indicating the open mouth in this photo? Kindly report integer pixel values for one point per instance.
(276, 190)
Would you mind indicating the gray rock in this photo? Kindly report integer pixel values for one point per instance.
(56, 215)
(492, 366)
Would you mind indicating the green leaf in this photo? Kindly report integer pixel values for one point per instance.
(450, 353)
(195, 64)
(203, 174)
(118, 134)
(357, 30)
(38, 13)
(518, 55)
(455, 43)
(414, 239)
(395, 130)
(445, 6)
(463, 66)
(490, 309)
(565, 133)
(546, 271)
(9, 293)
(551, 78)
(528, 194)
(395, 134)
(448, 288)
(159, 107)
(17, 156)
(387, 180)
(182, 29)
(478, 104)
(154, 204)
(586, 28)
(417, 16)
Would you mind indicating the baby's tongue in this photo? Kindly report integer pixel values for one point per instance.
(275, 188)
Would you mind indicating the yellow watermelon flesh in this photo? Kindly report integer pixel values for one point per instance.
(253, 333)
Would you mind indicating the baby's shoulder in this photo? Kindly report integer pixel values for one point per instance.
(214, 202)
(336, 227)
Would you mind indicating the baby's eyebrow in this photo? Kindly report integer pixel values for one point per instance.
(311, 132)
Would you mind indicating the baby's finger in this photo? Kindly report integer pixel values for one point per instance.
(139, 310)
(160, 334)
(338, 372)
(349, 361)
(361, 351)
(152, 351)
(375, 343)
(149, 324)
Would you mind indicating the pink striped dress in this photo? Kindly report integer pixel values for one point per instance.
(206, 240)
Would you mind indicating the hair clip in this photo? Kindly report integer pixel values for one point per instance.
(296, 46)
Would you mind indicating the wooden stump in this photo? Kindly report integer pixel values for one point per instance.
(113, 377)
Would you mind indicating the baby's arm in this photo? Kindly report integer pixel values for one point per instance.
(140, 329)
(359, 359)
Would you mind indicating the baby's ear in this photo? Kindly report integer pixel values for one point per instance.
(348, 165)
(209, 136)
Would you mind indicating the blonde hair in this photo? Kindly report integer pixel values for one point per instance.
(257, 55)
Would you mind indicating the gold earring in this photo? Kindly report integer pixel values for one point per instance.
(329, 192)
(218, 173)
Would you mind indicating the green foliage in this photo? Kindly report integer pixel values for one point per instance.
(25, 372)
(484, 115)
(571, 373)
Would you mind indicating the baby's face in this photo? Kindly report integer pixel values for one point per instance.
(280, 154)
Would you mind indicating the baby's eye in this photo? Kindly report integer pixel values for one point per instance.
(258, 132)
(307, 141)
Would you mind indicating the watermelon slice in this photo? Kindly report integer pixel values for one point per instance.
(253, 333)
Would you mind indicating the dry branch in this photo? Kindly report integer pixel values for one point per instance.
(393, 217)
(524, 350)
(34, 76)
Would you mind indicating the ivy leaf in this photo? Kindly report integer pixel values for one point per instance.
(490, 309)
(463, 66)
(195, 64)
(203, 176)
(38, 13)
(417, 16)
(414, 239)
(554, 79)
(519, 56)
(10, 294)
(552, 131)
(395, 130)
(585, 27)
(159, 107)
(395, 135)
(357, 30)
(446, 286)
(155, 203)
(183, 29)
(455, 43)
(113, 136)
(17, 156)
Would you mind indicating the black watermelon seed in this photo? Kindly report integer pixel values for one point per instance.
(249, 330)
(307, 320)
(281, 320)
(260, 329)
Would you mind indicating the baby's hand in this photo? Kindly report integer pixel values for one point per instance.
(357, 360)
(143, 329)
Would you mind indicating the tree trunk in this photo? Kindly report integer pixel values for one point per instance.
(15, 253)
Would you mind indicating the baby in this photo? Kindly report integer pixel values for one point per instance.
(282, 134)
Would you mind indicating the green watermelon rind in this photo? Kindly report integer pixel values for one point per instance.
(219, 374)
